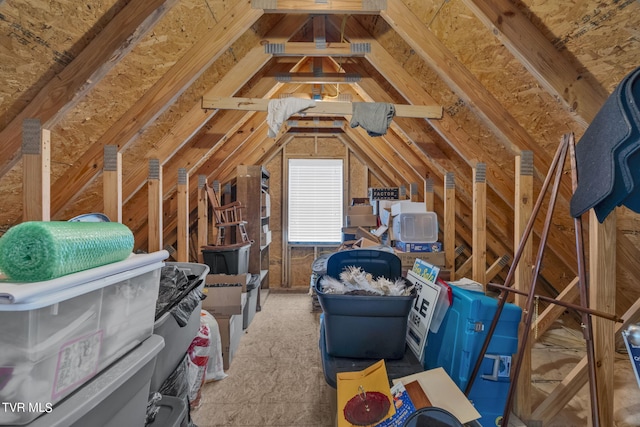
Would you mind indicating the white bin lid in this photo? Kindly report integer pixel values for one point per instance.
(34, 295)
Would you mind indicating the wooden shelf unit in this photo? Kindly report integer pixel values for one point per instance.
(252, 190)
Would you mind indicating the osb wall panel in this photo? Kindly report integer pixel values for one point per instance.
(301, 146)
(374, 182)
(275, 222)
(357, 178)
(144, 147)
(300, 260)
(54, 33)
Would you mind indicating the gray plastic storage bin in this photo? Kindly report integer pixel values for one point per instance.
(227, 260)
(177, 339)
(368, 327)
(253, 289)
(115, 398)
(172, 412)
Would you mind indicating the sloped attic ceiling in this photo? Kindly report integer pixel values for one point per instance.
(510, 75)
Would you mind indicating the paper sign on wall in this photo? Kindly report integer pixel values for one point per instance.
(421, 313)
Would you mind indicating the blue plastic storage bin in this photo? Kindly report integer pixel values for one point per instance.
(457, 345)
(368, 327)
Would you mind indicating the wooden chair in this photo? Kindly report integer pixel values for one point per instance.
(227, 216)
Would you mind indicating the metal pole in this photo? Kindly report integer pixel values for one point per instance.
(536, 271)
(516, 259)
(584, 300)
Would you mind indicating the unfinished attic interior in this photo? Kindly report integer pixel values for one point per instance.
(156, 113)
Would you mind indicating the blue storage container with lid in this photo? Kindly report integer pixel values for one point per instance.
(457, 345)
(360, 326)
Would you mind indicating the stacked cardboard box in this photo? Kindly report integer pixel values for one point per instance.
(226, 301)
(361, 216)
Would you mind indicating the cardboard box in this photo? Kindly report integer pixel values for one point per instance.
(360, 210)
(230, 333)
(362, 220)
(229, 279)
(223, 300)
(385, 217)
(406, 206)
(407, 259)
(378, 205)
(418, 247)
(362, 233)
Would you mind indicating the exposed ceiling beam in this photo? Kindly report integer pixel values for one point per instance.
(317, 78)
(579, 94)
(330, 49)
(69, 87)
(321, 107)
(339, 7)
(316, 124)
(154, 101)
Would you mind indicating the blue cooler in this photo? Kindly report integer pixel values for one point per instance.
(457, 345)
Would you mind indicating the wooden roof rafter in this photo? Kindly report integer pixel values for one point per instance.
(70, 86)
(155, 101)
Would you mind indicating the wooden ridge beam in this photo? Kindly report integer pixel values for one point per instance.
(322, 107)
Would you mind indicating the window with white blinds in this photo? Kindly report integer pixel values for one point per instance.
(315, 200)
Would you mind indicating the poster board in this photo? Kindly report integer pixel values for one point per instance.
(421, 313)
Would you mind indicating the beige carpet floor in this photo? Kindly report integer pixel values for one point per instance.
(276, 378)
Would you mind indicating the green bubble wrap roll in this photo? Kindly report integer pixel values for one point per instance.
(35, 251)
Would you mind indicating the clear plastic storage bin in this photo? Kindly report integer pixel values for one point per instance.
(58, 334)
(416, 227)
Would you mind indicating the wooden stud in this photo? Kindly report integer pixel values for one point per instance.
(523, 205)
(413, 192)
(602, 297)
(319, 32)
(496, 267)
(36, 171)
(479, 245)
(112, 183)
(203, 216)
(429, 196)
(449, 239)
(154, 185)
(183, 215)
(465, 267)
